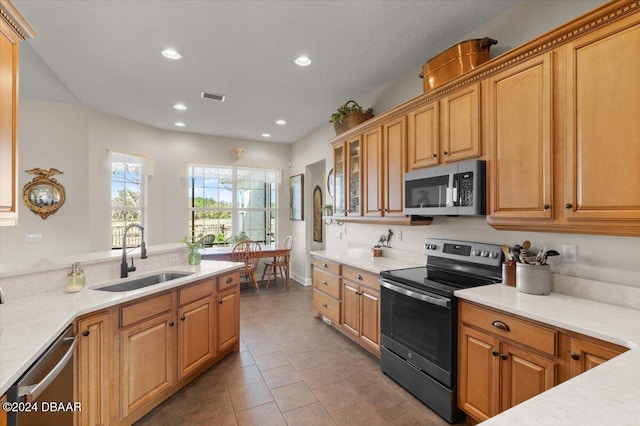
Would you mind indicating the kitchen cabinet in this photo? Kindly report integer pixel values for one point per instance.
(229, 319)
(327, 289)
(394, 155)
(147, 352)
(503, 361)
(347, 173)
(196, 327)
(372, 172)
(587, 353)
(446, 130)
(13, 29)
(339, 184)
(3, 413)
(361, 308)
(520, 140)
(94, 374)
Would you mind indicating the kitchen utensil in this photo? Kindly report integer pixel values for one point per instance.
(515, 252)
(526, 245)
(507, 255)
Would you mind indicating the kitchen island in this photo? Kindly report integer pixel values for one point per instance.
(607, 394)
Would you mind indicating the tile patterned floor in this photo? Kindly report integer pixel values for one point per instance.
(292, 369)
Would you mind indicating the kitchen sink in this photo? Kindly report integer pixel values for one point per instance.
(142, 282)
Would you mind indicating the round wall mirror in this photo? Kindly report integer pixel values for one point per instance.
(43, 195)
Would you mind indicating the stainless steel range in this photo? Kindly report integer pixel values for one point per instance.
(418, 325)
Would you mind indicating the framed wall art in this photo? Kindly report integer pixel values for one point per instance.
(296, 197)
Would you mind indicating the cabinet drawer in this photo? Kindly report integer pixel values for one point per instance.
(326, 265)
(147, 308)
(327, 283)
(229, 280)
(510, 327)
(326, 305)
(360, 277)
(195, 291)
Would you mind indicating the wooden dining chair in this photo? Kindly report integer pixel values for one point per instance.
(248, 252)
(208, 240)
(279, 265)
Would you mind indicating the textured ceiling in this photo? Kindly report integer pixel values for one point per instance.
(106, 55)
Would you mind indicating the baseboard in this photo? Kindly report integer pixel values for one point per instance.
(302, 280)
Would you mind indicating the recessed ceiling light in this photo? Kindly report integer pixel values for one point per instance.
(179, 124)
(266, 135)
(303, 61)
(180, 107)
(171, 54)
(281, 122)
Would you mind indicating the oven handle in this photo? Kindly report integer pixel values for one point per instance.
(445, 302)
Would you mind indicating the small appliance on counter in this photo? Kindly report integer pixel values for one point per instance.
(419, 317)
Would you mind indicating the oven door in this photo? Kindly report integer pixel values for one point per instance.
(419, 327)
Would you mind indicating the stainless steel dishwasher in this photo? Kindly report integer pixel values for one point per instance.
(44, 393)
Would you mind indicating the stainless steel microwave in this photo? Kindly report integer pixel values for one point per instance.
(456, 189)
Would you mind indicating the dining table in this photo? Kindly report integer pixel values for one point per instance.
(225, 253)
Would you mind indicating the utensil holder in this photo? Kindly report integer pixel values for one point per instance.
(533, 279)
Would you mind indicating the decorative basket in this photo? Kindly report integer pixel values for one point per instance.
(350, 120)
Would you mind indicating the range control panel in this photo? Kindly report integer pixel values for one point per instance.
(486, 254)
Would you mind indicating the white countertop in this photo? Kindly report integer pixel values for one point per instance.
(360, 258)
(608, 394)
(30, 324)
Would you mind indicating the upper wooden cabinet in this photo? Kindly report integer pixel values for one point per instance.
(394, 165)
(347, 166)
(519, 129)
(13, 29)
(603, 129)
(446, 130)
(372, 172)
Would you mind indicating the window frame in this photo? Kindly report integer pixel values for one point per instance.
(134, 236)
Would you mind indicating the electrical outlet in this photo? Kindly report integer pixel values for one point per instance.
(399, 235)
(569, 253)
(34, 238)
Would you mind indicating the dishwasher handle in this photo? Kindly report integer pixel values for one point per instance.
(31, 392)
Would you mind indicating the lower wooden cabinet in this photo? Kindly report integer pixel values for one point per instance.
(228, 319)
(94, 383)
(504, 360)
(361, 314)
(196, 335)
(3, 414)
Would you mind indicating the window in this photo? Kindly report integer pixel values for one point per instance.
(229, 200)
(127, 198)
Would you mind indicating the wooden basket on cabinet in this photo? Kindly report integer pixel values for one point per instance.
(351, 119)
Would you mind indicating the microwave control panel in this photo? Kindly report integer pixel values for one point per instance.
(465, 185)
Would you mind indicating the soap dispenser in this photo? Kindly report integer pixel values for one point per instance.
(75, 279)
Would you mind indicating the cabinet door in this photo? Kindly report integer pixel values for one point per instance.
(339, 183)
(372, 170)
(370, 318)
(94, 369)
(424, 133)
(586, 355)
(603, 141)
(147, 361)
(354, 182)
(3, 413)
(520, 115)
(524, 375)
(478, 376)
(8, 124)
(394, 154)
(351, 308)
(196, 335)
(228, 319)
(460, 128)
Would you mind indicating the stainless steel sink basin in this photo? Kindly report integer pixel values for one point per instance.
(141, 282)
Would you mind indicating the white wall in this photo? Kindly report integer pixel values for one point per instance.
(75, 140)
(612, 259)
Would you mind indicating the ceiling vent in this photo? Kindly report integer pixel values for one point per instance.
(213, 96)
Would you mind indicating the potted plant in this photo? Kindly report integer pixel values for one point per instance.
(349, 115)
(327, 210)
(195, 244)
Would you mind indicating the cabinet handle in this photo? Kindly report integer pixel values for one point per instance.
(495, 353)
(183, 318)
(568, 206)
(575, 357)
(379, 210)
(446, 152)
(500, 325)
(545, 206)
(325, 265)
(358, 276)
(171, 324)
(85, 333)
(324, 282)
(435, 156)
(229, 280)
(503, 356)
(324, 304)
(220, 302)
